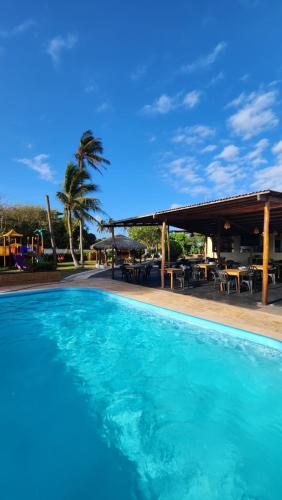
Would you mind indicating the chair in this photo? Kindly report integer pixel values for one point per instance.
(272, 274)
(215, 277)
(126, 272)
(182, 277)
(147, 271)
(225, 282)
(250, 280)
(196, 273)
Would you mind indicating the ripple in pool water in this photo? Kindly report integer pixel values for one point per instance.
(102, 399)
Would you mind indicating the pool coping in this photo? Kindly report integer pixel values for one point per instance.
(235, 332)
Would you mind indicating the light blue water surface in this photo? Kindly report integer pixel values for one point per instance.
(106, 399)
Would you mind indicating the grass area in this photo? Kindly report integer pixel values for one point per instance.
(66, 268)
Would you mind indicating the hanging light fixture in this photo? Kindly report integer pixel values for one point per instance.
(256, 230)
(275, 233)
(227, 225)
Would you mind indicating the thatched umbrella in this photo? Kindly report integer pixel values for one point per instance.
(118, 242)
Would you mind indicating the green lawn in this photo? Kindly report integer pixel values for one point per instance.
(66, 268)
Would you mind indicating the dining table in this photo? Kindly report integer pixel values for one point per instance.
(237, 274)
(135, 269)
(271, 270)
(173, 271)
(206, 266)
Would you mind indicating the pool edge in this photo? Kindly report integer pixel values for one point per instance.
(257, 338)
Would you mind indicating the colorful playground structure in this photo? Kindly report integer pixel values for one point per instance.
(11, 244)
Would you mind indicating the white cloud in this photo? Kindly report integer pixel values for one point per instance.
(186, 169)
(224, 177)
(269, 178)
(175, 205)
(244, 77)
(255, 114)
(255, 156)
(237, 101)
(277, 148)
(165, 103)
(229, 153)
(209, 149)
(138, 72)
(185, 175)
(206, 61)
(277, 151)
(191, 99)
(197, 190)
(19, 29)
(193, 135)
(58, 44)
(103, 107)
(215, 79)
(40, 165)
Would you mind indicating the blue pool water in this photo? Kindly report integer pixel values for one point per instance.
(103, 398)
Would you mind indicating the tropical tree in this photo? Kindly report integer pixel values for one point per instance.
(76, 199)
(148, 235)
(90, 153)
(41, 231)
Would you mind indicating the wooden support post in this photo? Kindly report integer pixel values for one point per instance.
(206, 248)
(113, 253)
(218, 239)
(163, 255)
(266, 221)
(168, 246)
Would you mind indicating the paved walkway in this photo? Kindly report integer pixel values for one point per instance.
(84, 275)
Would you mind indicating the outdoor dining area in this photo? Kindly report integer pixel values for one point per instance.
(222, 271)
(226, 277)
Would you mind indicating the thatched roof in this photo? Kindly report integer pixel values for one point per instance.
(119, 242)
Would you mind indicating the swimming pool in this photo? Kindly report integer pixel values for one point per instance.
(107, 398)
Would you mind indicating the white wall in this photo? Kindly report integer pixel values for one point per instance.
(243, 257)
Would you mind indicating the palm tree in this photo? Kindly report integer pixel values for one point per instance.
(41, 232)
(90, 152)
(76, 199)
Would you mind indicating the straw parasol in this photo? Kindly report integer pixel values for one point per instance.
(119, 242)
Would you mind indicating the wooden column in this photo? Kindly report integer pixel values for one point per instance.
(168, 246)
(113, 253)
(163, 255)
(206, 247)
(218, 240)
(266, 220)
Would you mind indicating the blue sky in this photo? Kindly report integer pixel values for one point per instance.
(186, 97)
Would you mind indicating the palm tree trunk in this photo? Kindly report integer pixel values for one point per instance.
(69, 224)
(53, 244)
(81, 225)
(81, 241)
